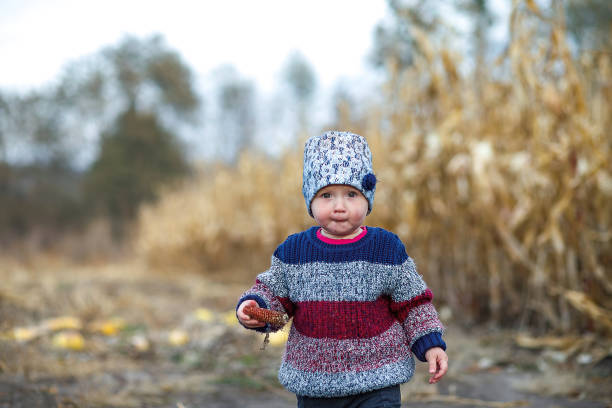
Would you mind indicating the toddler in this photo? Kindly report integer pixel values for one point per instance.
(360, 309)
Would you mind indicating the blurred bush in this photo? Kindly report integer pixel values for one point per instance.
(500, 186)
(229, 216)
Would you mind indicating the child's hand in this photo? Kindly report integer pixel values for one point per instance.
(438, 363)
(245, 319)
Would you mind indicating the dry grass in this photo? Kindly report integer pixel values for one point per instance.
(500, 186)
(177, 337)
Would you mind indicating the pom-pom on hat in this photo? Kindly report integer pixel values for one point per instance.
(338, 158)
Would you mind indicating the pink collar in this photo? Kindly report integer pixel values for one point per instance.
(341, 241)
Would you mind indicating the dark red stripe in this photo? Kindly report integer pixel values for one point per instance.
(287, 304)
(401, 309)
(343, 320)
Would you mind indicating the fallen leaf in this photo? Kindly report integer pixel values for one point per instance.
(24, 334)
(109, 327)
(62, 323)
(178, 337)
(70, 340)
(204, 315)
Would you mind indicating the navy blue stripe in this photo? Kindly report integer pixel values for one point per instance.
(377, 246)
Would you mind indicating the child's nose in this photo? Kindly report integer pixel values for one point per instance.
(339, 205)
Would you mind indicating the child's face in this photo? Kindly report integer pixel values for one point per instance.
(340, 210)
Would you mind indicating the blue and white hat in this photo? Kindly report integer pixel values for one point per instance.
(338, 158)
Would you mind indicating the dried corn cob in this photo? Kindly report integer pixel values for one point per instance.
(266, 315)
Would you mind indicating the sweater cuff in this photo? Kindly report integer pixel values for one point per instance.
(424, 343)
(261, 303)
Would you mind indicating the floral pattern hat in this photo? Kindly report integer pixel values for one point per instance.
(338, 158)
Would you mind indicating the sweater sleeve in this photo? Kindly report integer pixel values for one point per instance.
(411, 304)
(270, 292)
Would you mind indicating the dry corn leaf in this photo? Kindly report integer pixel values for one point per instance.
(552, 342)
(585, 304)
(62, 323)
(423, 43)
(449, 66)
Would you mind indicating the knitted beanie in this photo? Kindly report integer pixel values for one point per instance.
(338, 158)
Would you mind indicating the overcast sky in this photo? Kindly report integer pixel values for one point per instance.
(38, 37)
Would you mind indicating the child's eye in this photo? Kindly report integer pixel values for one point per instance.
(352, 194)
(326, 195)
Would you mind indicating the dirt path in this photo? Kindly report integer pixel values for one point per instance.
(176, 344)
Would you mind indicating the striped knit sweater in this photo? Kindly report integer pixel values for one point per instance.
(358, 310)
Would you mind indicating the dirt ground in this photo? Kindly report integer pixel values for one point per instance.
(119, 335)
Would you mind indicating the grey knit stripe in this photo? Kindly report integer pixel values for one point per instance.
(275, 279)
(408, 282)
(351, 281)
(315, 384)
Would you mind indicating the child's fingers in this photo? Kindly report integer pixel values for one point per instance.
(253, 323)
(249, 322)
(244, 318)
(241, 315)
(435, 377)
(433, 364)
(442, 368)
(240, 312)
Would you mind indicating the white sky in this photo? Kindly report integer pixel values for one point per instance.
(38, 37)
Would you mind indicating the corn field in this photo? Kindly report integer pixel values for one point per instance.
(500, 186)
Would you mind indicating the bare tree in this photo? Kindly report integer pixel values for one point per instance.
(236, 124)
(302, 82)
(590, 23)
